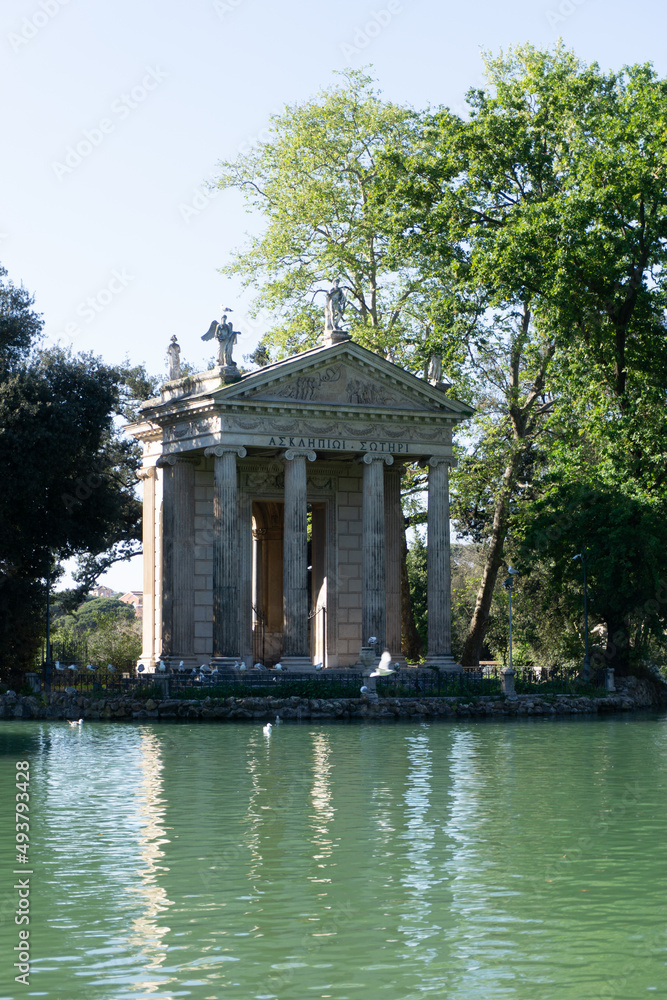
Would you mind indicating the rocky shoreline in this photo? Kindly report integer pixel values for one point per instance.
(632, 694)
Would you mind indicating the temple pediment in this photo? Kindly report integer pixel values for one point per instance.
(346, 375)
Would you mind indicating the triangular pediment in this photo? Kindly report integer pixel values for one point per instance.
(344, 375)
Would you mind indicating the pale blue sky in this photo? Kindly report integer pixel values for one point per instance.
(166, 89)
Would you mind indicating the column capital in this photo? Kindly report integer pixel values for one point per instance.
(218, 450)
(149, 472)
(435, 460)
(368, 458)
(178, 459)
(293, 453)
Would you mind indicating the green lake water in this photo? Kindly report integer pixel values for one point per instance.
(468, 861)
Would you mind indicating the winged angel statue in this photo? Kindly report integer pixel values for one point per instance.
(226, 336)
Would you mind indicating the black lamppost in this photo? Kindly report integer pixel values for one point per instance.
(508, 583)
(47, 662)
(587, 663)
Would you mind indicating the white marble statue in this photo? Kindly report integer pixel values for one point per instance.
(226, 336)
(334, 307)
(174, 354)
(435, 369)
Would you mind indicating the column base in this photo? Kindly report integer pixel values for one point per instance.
(173, 664)
(447, 664)
(299, 664)
(224, 662)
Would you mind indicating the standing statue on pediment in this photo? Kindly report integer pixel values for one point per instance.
(334, 307)
(434, 373)
(174, 355)
(226, 336)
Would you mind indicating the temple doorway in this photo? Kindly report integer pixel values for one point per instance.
(267, 581)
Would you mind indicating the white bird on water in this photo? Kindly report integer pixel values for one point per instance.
(384, 666)
(278, 721)
(267, 729)
(73, 723)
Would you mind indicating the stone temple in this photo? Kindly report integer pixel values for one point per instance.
(272, 519)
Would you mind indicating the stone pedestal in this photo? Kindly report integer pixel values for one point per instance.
(373, 571)
(226, 570)
(295, 561)
(330, 337)
(507, 682)
(178, 560)
(229, 374)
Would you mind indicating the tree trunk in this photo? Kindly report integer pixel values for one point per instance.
(480, 618)
(617, 647)
(411, 645)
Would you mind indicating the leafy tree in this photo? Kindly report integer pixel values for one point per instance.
(314, 182)
(544, 214)
(624, 539)
(68, 474)
(104, 630)
(87, 616)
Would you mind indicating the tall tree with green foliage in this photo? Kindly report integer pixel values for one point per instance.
(315, 182)
(545, 214)
(68, 475)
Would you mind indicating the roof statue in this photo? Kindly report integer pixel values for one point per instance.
(226, 336)
(174, 356)
(334, 307)
(435, 369)
(434, 373)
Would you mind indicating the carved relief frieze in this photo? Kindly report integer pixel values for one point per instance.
(190, 428)
(367, 393)
(306, 387)
(244, 423)
(265, 480)
(321, 482)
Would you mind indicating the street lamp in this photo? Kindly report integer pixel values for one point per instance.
(47, 664)
(508, 584)
(586, 673)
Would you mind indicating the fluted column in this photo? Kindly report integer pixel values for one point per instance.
(295, 559)
(373, 572)
(438, 566)
(394, 531)
(178, 557)
(149, 478)
(226, 582)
